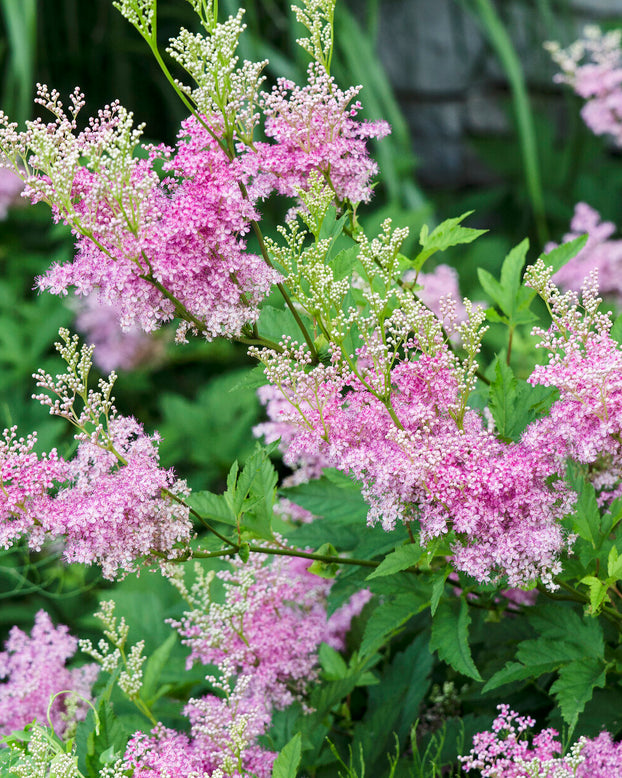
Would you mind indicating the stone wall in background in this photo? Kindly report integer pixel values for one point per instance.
(448, 79)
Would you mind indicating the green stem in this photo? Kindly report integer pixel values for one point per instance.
(326, 558)
(200, 518)
(502, 44)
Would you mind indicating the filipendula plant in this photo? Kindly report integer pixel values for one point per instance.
(464, 511)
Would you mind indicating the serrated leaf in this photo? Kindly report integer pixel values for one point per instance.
(575, 686)
(401, 559)
(531, 652)
(598, 592)
(386, 620)
(558, 257)
(274, 323)
(586, 518)
(325, 498)
(516, 671)
(325, 569)
(154, 666)
(614, 564)
(493, 288)
(564, 624)
(449, 233)
(616, 330)
(286, 763)
(450, 636)
(211, 506)
(438, 587)
(332, 663)
(515, 404)
(511, 271)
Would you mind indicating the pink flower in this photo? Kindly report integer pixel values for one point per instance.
(26, 479)
(33, 669)
(313, 129)
(599, 253)
(114, 514)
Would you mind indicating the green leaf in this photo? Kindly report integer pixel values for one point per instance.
(326, 498)
(211, 506)
(511, 272)
(515, 404)
(325, 569)
(493, 288)
(286, 763)
(154, 667)
(386, 620)
(438, 587)
(598, 592)
(558, 257)
(565, 625)
(274, 323)
(516, 671)
(400, 559)
(332, 663)
(586, 518)
(575, 686)
(616, 330)
(450, 636)
(449, 233)
(614, 564)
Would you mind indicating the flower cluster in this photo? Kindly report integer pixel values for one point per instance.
(424, 456)
(248, 637)
(600, 254)
(112, 503)
(314, 129)
(116, 505)
(509, 751)
(33, 669)
(157, 248)
(585, 365)
(264, 604)
(593, 67)
(26, 481)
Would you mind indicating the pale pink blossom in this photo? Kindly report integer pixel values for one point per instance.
(33, 670)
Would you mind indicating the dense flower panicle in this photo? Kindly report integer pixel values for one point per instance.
(585, 366)
(249, 638)
(115, 348)
(504, 501)
(163, 754)
(309, 465)
(593, 67)
(26, 480)
(510, 750)
(187, 239)
(222, 741)
(225, 729)
(265, 605)
(314, 129)
(114, 514)
(33, 670)
(116, 505)
(599, 253)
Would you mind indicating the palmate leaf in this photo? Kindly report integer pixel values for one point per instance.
(575, 686)
(515, 404)
(450, 636)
